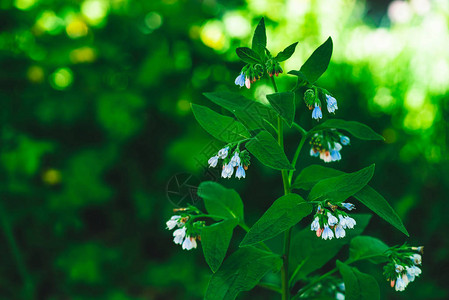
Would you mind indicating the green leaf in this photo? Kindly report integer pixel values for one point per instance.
(248, 55)
(342, 187)
(367, 247)
(317, 63)
(260, 39)
(357, 129)
(286, 53)
(221, 201)
(241, 272)
(311, 175)
(368, 196)
(215, 242)
(220, 127)
(284, 105)
(314, 252)
(284, 213)
(358, 285)
(251, 113)
(266, 149)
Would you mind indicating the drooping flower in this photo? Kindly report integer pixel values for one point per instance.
(412, 272)
(213, 161)
(340, 296)
(316, 113)
(335, 155)
(189, 243)
(222, 153)
(179, 235)
(327, 233)
(325, 156)
(319, 232)
(400, 284)
(240, 173)
(315, 224)
(350, 222)
(398, 268)
(173, 222)
(331, 104)
(348, 206)
(227, 171)
(240, 80)
(331, 219)
(235, 160)
(314, 153)
(342, 221)
(339, 231)
(416, 258)
(344, 140)
(248, 83)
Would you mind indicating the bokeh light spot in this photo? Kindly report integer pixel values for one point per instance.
(95, 10)
(76, 28)
(51, 177)
(212, 35)
(83, 55)
(24, 4)
(35, 74)
(153, 20)
(61, 78)
(236, 25)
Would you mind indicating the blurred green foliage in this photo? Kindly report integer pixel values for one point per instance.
(95, 122)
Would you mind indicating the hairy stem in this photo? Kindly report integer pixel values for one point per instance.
(287, 234)
(295, 157)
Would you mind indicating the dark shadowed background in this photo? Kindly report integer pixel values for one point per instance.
(97, 135)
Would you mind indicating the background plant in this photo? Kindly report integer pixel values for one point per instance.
(96, 121)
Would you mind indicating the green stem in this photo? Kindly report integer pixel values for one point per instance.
(287, 233)
(26, 278)
(295, 157)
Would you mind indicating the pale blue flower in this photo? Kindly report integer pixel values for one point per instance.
(331, 219)
(398, 268)
(416, 258)
(327, 233)
(348, 206)
(412, 272)
(189, 243)
(331, 104)
(240, 172)
(350, 222)
(400, 284)
(213, 161)
(235, 160)
(240, 80)
(315, 224)
(222, 153)
(316, 113)
(335, 155)
(339, 231)
(227, 171)
(314, 153)
(345, 140)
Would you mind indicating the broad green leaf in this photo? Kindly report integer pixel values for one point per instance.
(317, 63)
(368, 196)
(221, 201)
(266, 149)
(367, 247)
(220, 127)
(260, 39)
(286, 53)
(358, 285)
(342, 187)
(357, 129)
(285, 212)
(215, 242)
(284, 105)
(315, 251)
(310, 176)
(251, 113)
(241, 272)
(248, 55)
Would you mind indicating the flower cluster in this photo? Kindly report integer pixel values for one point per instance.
(187, 232)
(249, 74)
(403, 266)
(327, 145)
(238, 161)
(330, 223)
(313, 99)
(273, 68)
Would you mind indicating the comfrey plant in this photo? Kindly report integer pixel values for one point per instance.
(258, 130)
